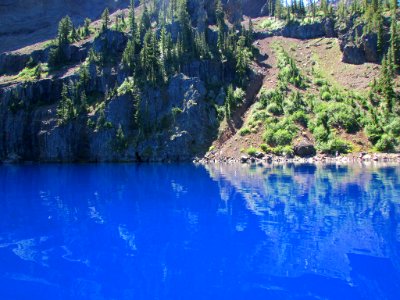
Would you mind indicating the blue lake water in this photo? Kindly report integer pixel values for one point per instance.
(124, 231)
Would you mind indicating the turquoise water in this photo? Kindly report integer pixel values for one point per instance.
(184, 232)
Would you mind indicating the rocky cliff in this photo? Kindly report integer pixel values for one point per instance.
(27, 22)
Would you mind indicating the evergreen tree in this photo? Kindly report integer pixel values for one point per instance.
(394, 41)
(302, 9)
(386, 83)
(150, 57)
(163, 51)
(185, 26)
(380, 35)
(394, 5)
(374, 5)
(172, 10)
(145, 23)
(64, 29)
(57, 55)
(278, 9)
(219, 14)
(74, 35)
(65, 109)
(324, 7)
(105, 17)
(132, 21)
(83, 109)
(86, 27)
(313, 8)
(288, 18)
(229, 102)
(250, 34)
(243, 56)
(129, 56)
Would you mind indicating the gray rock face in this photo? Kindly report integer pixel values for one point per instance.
(27, 22)
(182, 123)
(353, 54)
(255, 8)
(306, 31)
(358, 47)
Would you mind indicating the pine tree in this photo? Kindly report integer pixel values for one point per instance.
(229, 102)
(132, 21)
(145, 23)
(117, 25)
(386, 83)
(380, 35)
(185, 26)
(105, 17)
(129, 56)
(302, 9)
(74, 35)
(86, 27)
(394, 5)
(243, 56)
(374, 5)
(278, 9)
(313, 8)
(83, 109)
(288, 19)
(250, 33)
(150, 57)
(172, 10)
(57, 55)
(64, 29)
(219, 14)
(65, 109)
(163, 51)
(394, 41)
(324, 7)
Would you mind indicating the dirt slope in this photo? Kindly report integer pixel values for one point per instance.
(323, 55)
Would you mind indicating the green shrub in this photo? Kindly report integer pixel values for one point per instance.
(260, 115)
(279, 132)
(335, 145)
(265, 148)
(271, 96)
(251, 151)
(300, 117)
(288, 71)
(394, 127)
(337, 114)
(320, 133)
(274, 109)
(326, 96)
(320, 81)
(128, 86)
(287, 150)
(244, 131)
(373, 132)
(386, 143)
(282, 137)
(294, 103)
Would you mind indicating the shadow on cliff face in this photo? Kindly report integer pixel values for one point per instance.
(24, 23)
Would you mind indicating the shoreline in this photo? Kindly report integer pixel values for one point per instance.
(260, 158)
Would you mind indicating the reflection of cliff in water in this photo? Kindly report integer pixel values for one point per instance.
(283, 232)
(315, 216)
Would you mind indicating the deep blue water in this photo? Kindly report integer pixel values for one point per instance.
(184, 232)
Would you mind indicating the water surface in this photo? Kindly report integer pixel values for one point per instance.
(186, 232)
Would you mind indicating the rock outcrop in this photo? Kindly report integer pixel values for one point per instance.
(358, 47)
(304, 148)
